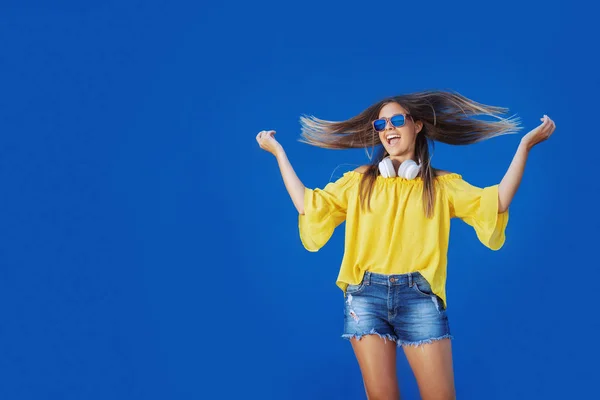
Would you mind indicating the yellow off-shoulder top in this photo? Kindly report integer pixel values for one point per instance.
(396, 237)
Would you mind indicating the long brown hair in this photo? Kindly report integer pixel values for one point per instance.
(446, 118)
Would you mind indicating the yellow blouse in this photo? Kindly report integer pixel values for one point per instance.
(396, 237)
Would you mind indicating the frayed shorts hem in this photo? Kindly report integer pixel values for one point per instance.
(359, 336)
(425, 341)
(393, 338)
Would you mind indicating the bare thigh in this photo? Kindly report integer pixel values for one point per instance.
(377, 361)
(432, 366)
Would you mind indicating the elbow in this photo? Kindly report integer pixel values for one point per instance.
(299, 201)
(502, 208)
(502, 204)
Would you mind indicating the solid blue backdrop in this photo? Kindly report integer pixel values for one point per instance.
(149, 249)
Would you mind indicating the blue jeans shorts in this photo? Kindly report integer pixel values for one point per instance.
(401, 308)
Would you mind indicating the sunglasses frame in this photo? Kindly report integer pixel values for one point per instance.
(389, 120)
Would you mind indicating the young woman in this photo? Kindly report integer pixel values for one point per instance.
(397, 211)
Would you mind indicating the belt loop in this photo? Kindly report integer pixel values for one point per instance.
(367, 278)
(410, 279)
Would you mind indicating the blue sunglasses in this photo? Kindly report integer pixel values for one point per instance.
(396, 120)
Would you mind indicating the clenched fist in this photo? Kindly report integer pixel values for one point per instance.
(539, 134)
(266, 141)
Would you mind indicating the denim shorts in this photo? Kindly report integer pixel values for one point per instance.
(401, 308)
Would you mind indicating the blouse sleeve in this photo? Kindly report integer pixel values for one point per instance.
(478, 207)
(324, 210)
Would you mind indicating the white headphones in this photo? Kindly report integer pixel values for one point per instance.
(408, 169)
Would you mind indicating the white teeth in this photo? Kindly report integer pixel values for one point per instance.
(389, 138)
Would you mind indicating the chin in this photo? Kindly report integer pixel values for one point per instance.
(396, 152)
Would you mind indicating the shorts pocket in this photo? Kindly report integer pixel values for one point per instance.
(421, 286)
(354, 289)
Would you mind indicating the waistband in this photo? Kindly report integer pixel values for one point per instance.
(392, 280)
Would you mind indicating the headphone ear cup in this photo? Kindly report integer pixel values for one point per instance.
(386, 168)
(409, 169)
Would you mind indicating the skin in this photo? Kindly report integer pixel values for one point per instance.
(405, 148)
(507, 188)
(512, 179)
(430, 363)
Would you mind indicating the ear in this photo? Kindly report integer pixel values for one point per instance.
(418, 126)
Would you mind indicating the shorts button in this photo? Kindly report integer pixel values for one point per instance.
(392, 280)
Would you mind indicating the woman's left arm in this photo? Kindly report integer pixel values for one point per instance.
(512, 179)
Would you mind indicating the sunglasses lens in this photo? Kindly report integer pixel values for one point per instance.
(398, 120)
(379, 125)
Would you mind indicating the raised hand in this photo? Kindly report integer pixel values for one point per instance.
(267, 142)
(539, 134)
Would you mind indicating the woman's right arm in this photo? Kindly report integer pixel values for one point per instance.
(294, 186)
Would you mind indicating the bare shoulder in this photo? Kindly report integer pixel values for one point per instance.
(362, 169)
(440, 172)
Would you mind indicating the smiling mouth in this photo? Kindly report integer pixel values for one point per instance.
(393, 139)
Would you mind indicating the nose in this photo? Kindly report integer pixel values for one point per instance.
(388, 125)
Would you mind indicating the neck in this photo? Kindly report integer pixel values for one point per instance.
(399, 159)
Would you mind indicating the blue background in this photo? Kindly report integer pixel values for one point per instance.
(149, 249)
